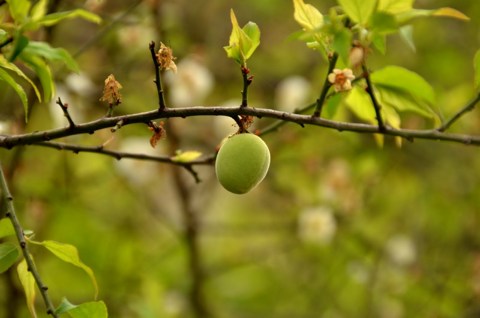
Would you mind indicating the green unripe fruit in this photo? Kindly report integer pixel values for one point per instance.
(242, 162)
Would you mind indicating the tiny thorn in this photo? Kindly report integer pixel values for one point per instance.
(45, 288)
(22, 245)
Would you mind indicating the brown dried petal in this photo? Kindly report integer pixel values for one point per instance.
(111, 93)
(166, 59)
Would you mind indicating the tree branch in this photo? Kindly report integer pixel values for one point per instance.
(10, 141)
(12, 215)
(371, 93)
(469, 107)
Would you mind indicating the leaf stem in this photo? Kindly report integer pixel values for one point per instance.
(371, 93)
(12, 215)
(158, 79)
(469, 107)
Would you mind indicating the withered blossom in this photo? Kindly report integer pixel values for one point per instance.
(111, 93)
(166, 59)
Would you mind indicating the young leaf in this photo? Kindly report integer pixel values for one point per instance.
(6, 228)
(69, 253)
(360, 104)
(42, 70)
(307, 16)
(8, 255)
(19, 10)
(12, 67)
(28, 284)
(17, 88)
(54, 18)
(395, 6)
(94, 309)
(242, 42)
(64, 307)
(401, 79)
(476, 65)
(39, 10)
(406, 17)
(342, 43)
(186, 156)
(406, 34)
(20, 43)
(44, 50)
(358, 10)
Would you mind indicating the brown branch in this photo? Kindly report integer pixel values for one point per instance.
(66, 113)
(10, 141)
(326, 86)
(158, 79)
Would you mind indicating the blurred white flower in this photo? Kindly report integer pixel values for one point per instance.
(138, 172)
(5, 127)
(317, 225)
(291, 93)
(80, 84)
(401, 250)
(191, 84)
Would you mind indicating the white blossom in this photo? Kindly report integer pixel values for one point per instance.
(317, 225)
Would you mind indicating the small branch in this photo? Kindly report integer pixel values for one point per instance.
(326, 86)
(247, 80)
(158, 79)
(469, 107)
(6, 42)
(376, 105)
(8, 199)
(64, 108)
(206, 160)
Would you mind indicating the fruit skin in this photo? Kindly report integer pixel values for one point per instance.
(242, 162)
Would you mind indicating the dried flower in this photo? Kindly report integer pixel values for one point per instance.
(158, 132)
(166, 59)
(341, 79)
(111, 93)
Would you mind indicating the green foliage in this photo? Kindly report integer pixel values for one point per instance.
(476, 65)
(15, 45)
(6, 228)
(243, 41)
(359, 11)
(9, 254)
(86, 310)
(69, 254)
(28, 284)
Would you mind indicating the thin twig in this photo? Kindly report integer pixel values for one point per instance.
(469, 107)
(247, 80)
(371, 93)
(205, 160)
(326, 86)
(64, 108)
(8, 199)
(158, 79)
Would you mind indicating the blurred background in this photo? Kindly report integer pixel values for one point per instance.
(340, 227)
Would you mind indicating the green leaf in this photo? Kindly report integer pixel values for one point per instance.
(64, 307)
(17, 88)
(360, 104)
(408, 16)
(342, 43)
(332, 104)
(6, 228)
(307, 16)
(19, 10)
(12, 67)
(43, 72)
(395, 6)
(39, 10)
(406, 34)
(358, 10)
(379, 41)
(243, 42)
(403, 102)
(20, 43)
(69, 254)
(28, 284)
(401, 79)
(383, 23)
(476, 65)
(44, 50)
(92, 309)
(54, 18)
(9, 254)
(186, 156)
